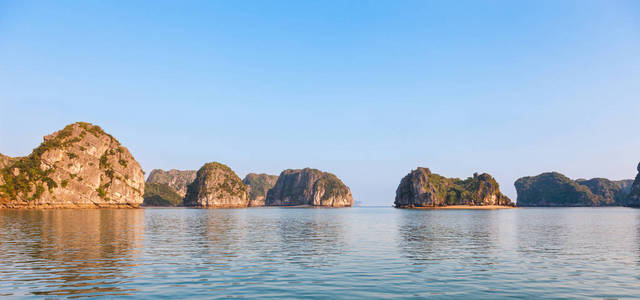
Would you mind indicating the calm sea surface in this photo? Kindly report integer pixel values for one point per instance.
(320, 253)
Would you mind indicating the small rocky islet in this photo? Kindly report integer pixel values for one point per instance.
(79, 166)
(309, 187)
(423, 189)
(216, 186)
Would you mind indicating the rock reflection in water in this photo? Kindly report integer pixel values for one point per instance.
(314, 241)
(80, 251)
(435, 236)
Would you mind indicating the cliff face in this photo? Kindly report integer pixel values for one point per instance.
(309, 187)
(160, 194)
(216, 186)
(421, 188)
(634, 196)
(175, 179)
(259, 185)
(78, 166)
(555, 189)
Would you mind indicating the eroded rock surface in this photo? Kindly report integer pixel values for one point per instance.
(310, 187)
(216, 186)
(421, 188)
(78, 166)
(259, 185)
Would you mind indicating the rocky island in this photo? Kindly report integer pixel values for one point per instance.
(309, 187)
(259, 185)
(423, 189)
(555, 189)
(167, 188)
(216, 186)
(80, 166)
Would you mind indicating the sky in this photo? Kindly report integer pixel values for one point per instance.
(368, 90)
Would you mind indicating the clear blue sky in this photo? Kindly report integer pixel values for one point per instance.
(367, 90)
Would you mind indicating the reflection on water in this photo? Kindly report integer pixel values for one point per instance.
(437, 235)
(66, 252)
(321, 253)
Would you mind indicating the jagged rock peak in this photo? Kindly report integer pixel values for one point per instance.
(78, 166)
(309, 187)
(216, 186)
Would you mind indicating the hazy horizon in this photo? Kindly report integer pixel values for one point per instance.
(365, 90)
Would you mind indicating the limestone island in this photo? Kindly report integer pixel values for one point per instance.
(167, 188)
(553, 189)
(216, 186)
(259, 185)
(309, 187)
(80, 166)
(423, 189)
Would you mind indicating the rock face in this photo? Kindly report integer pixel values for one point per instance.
(309, 187)
(78, 166)
(175, 179)
(160, 194)
(555, 189)
(259, 185)
(634, 196)
(6, 160)
(216, 186)
(421, 188)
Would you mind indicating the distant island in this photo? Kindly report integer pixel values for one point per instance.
(309, 187)
(423, 189)
(217, 186)
(553, 189)
(167, 188)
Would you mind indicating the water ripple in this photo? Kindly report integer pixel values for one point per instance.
(320, 253)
